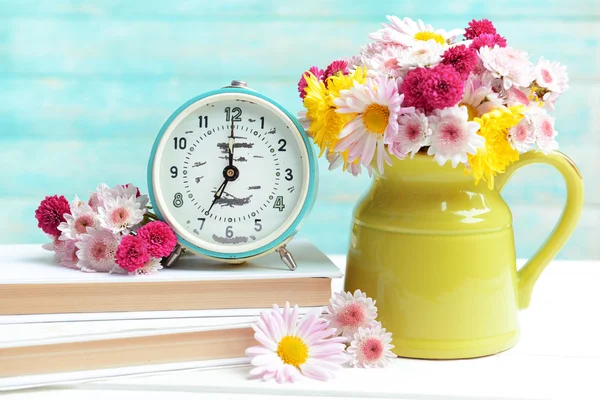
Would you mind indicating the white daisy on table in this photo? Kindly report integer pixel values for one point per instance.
(407, 32)
(82, 216)
(377, 106)
(422, 54)
(97, 249)
(347, 312)
(510, 65)
(371, 347)
(413, 133)
(149, 268)
(127, 190)
(120, 214)
(453, 136)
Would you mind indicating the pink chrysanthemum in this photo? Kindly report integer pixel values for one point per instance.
(476, 28)
(97, 249)
(489, 40)
(371, 347)
(292, 346)
(412, 88)
(443, 87)
(65, 252)
(347, 312)
(132, 253)
(159, 238)
(316, 71)
(413, 133)
(82, 216)
(51, 212)
(461, 58)
(336, 67)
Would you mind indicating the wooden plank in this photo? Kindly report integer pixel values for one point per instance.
(138, 49)
(226, 9)
(91, 109)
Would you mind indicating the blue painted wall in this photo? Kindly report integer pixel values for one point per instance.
(85, 86)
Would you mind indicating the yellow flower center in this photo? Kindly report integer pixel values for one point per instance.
(376, 117)
(426, 35)
(471, 110)
(292, 350)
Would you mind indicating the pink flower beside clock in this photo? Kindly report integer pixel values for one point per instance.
(316, 346)
(113, 231)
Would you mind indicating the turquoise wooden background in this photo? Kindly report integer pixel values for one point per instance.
(85, 86)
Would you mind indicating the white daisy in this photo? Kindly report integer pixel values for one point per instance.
(522, 135)
(151, 267)
(82, 216)
(545, 134)
(422, 54)
(336, 160)
(413, 133)
(385, 63)
(516, 96)
(551, 75)
(377, 107)
(510, 65)
(348, 312)
(97, 249)
(407, 32)
(371, 347)
(120, 214)
(453, 136)
(127, 190)
(479, 98)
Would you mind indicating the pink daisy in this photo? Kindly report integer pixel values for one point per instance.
(376, 105)
(316, 71)
(291, 347)
(347, 312)
(462, 59)
(50, 214)
(159, 238)
(336, 67)
(510, 65)
(551, 75)
(371, 347)
(132, 253)
(82, 216)
(97, 250)
(476, 28)
(545, 134)
(413, 133)
(522, 135)
(487, 40)
(65, 252)
(120, 214)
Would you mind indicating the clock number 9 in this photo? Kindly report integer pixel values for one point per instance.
(174, 172)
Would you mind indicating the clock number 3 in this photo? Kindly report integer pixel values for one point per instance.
(279, 203)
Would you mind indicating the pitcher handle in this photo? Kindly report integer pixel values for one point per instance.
(563, 229)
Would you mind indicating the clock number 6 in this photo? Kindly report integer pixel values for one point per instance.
(279, 203)
(229, 232)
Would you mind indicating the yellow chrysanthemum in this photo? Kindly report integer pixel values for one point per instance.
(337, 83)
(497, 154)
(315, 100)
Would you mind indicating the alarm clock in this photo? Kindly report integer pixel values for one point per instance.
(233, 173)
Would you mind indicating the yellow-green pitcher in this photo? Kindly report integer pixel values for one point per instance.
(436, 251)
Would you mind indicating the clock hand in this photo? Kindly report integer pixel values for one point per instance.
(231, 144)
(218, 194)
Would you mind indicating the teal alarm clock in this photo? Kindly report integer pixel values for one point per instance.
(234, 174)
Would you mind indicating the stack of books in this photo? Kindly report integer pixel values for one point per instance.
(62, 325)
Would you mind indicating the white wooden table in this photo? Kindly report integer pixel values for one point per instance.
(558, 357)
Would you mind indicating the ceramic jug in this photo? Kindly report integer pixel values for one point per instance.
(436, 251)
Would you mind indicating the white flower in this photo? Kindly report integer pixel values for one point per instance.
(422, 54)
(120, 214)
(413, 133)
(82, 216)
(551, 75)
(336, 160)
(149, 268)
(453, 136)
(127, 190)
(377, 107)
(384, 63)
(516, 96)
(479, 98)
(371, 347)
(407, 32)
(348, 312)
(545, 134)
(509, 64)
(522, 135)
(97, 249)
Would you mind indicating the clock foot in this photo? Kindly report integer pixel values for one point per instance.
(287, 258)
(174, 256)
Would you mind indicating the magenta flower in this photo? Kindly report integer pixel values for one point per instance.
(132, 253)
(336, 67)
(316, 71)
(51, 212)
(159, 238)
(489, 40)
(476, 28)
(435, 88)
(462, 58)
(412, 87)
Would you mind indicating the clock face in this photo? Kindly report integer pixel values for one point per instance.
(231, 173)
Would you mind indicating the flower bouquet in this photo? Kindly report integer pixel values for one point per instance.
(114, 231)
(470, 100)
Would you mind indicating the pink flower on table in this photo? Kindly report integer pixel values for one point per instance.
(50, 214)
(97, 250)
(291, 346)
(159, 238)
(65, 252)
(316, 71)
(488, 40)
(151, 267)
(477, 28)
(348, 312)
(413, 133)
(371, 347)
(82, 216)
(454, 136)
(462, 59)
(120, 214)
(132, 253)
